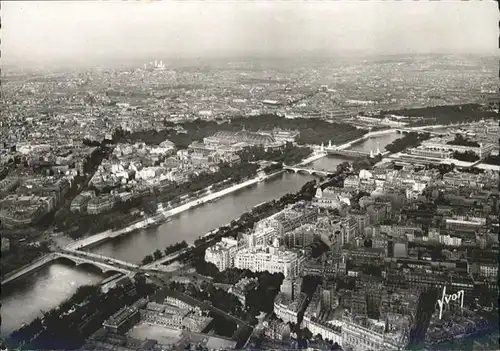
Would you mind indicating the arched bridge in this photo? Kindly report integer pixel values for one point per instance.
(308, 170)
(105, 264)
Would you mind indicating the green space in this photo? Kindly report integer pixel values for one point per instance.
(67, 326)
(312, 131)
(461, 140)
(21, 254)
(409, 140)
(492, 160)
(447, 114)
(289, 155)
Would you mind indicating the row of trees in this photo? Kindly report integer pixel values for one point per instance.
(155, 256)
(126, 212)
(227, 173)
(65, 330)
(447, 114)
(275, 167)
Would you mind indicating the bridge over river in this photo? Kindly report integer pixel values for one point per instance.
(79, 258)
(322, 172)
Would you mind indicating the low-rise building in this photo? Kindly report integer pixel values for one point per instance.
(123, 320)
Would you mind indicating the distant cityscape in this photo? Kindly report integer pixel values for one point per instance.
(395, 202)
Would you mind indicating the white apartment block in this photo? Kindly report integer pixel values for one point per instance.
(271, 259)
(222, 254)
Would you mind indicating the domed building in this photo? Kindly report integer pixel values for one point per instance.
(238, 140)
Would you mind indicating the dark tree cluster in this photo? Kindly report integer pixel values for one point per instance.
(262, 298)
(312, 131)
(467, 156)
(409, 140)
(492, 160)
(59, 329)
(217, 298)
(273, 168)
(20, 255)
(447, 114)
(228, 174)
(460, 140)
(259, 299)
(310, 283)
(288, 155)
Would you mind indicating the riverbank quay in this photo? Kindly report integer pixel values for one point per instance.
(246, 221)
(164, 214)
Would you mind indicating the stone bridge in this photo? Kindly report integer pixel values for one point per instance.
(307, 170)
(105, 264)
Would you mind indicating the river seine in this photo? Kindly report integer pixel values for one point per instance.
(26, 298)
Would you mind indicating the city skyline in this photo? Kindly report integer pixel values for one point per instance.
(90, 32)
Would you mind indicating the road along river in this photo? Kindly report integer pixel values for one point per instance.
(23, 300)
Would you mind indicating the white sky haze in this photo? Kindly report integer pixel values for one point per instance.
(92, 31)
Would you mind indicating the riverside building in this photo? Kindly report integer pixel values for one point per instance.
(222, 254)
(271, 259)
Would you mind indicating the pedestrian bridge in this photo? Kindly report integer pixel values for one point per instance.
(105, 264)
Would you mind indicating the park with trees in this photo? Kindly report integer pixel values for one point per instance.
(446, 114)
(313, 131)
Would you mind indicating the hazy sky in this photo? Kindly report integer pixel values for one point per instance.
(93, 31)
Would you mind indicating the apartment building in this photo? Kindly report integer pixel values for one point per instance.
(271, 259)
(222, 254)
